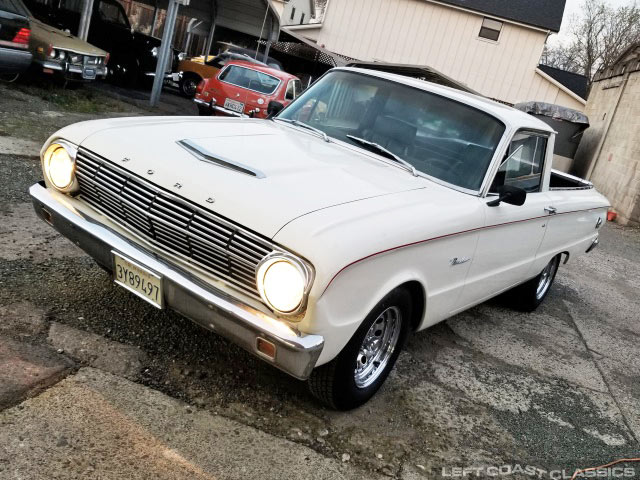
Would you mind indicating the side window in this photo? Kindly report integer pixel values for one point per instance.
(524, 163)
(298, 87)
(291, 92)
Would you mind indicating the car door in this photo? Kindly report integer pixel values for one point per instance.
(509, 241)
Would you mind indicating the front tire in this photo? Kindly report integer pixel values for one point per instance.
(363, 365)
(528, 296)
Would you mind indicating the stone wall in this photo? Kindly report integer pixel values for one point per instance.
(615, 161)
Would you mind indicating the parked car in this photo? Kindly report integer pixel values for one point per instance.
(133, 55)
(373, 206)
(246, 89)
(64, 56)
(192, 71)
(14, 37)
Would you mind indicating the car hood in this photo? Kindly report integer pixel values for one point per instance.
(297, 172)
(41, 32)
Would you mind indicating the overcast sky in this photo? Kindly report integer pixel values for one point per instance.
(572, 9)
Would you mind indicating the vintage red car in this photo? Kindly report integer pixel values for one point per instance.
(247, 89)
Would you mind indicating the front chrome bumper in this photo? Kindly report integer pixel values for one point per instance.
(69, 69)
(215, 310)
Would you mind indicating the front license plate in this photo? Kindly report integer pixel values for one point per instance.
(138, 279)
(234, 105)
(89, 73)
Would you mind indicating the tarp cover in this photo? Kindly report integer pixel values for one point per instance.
(557, 112)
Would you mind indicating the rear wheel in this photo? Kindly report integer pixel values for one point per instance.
(529, 295)
(361, 368)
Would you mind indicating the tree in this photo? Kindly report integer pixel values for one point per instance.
(598, 36)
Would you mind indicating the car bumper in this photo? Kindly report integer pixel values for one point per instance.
(212, 106)
(73, 72)
(13, 60)
(215, 310)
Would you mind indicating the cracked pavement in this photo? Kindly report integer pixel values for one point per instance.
(96, 384)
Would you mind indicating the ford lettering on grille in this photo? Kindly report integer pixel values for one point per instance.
(176, 226)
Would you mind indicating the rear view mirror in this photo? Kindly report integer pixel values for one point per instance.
(509, 194)
(274, 108)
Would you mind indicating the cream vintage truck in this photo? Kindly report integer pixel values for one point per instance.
(370, 208)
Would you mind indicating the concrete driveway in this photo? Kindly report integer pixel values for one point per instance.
(115, 388)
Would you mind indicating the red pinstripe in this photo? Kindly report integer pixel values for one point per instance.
(449, 235)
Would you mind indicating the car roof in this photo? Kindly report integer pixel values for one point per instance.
(508, 115)
(263, 68)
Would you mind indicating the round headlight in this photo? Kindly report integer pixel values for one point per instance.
(282, 283)
(154, 51)
(61, 54)
(59, 166)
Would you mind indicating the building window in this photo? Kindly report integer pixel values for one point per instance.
(490, 29)
(293, 13)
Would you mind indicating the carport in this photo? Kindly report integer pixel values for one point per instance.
(257, 18)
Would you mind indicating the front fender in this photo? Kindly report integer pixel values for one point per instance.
(353, 293)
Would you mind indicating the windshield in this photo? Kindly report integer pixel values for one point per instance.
(113, 13)
(440, 137)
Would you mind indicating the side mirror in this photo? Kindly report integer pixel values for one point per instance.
(509, 194)
(274, 108)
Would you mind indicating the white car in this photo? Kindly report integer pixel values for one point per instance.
(370, 208)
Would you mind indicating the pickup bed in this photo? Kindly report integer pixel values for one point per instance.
(563, 181)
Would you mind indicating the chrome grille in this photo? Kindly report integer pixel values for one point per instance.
(203, 239)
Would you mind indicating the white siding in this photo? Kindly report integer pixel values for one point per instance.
(426, 33)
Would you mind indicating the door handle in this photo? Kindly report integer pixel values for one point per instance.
(550, 210)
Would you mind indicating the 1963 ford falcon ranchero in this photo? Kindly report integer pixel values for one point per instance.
(371, 207)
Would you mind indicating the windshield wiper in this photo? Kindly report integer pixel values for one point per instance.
(298, 123)
(380, 149)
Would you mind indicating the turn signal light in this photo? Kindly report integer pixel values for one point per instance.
(266, 348)
(22, 37)
(106, 59)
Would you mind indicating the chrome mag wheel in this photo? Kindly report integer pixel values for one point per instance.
(378, 346)
(546, 277)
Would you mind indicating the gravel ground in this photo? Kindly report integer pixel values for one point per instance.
(558, 388)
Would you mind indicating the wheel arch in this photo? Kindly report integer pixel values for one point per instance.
(191, 73)
(339, 312)
(418, 299)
